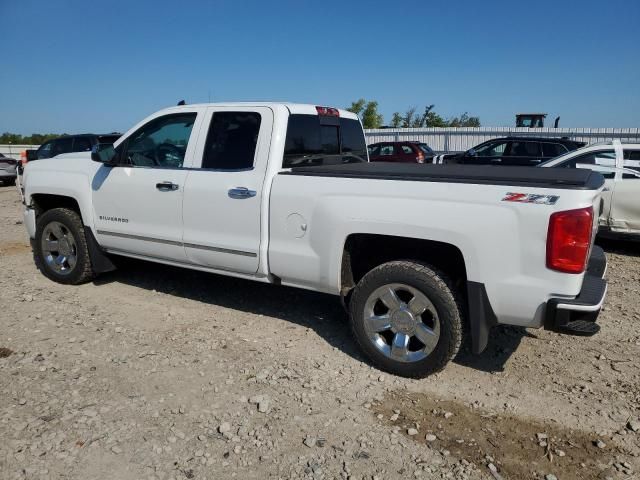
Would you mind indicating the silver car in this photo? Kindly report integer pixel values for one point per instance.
(8, 170)
(619, 163)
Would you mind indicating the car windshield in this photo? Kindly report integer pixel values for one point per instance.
(559, 158)
(425, 148)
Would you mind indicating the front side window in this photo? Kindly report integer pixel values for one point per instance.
(231, 141)
(161, 143)
(631, 160)
(553, 150)
(494, 149)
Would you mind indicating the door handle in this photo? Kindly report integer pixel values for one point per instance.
(241, 192)
(166, 186)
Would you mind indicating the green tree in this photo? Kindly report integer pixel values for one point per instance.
(396, 120)
(368, 113)
(357, 107)
(464, 120)
(430, 118)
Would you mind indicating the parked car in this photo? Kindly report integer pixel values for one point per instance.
(619, 164)
(405, 246)
(520, 151)
(69, 143)
(400, 152)
(8, 171)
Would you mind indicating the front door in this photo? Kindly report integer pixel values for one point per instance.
(138, 206)
(625, 205)
(223, 196)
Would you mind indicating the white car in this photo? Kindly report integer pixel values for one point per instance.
(619, 163)
(284, 194)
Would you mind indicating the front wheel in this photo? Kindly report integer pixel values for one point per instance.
(60, 247)
(405, 317)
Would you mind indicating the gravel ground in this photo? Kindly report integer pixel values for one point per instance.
(154, 372)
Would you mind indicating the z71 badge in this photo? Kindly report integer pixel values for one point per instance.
(531, 198)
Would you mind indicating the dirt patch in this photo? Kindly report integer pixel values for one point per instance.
(518, 447)
(14, 248)
(5, 352)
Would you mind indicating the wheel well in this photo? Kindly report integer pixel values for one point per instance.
(364, 252)
(42, 202)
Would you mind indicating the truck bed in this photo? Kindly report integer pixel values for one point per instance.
(564, 178)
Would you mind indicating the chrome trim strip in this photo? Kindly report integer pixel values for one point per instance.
(139, 237)
(178, 244)
(221, 250)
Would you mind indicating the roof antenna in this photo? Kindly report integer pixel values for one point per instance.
(181, 102)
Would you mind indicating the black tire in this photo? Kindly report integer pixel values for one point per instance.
(82, 271)
(438, 290)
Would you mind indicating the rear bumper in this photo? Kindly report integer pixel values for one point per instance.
(577, 316)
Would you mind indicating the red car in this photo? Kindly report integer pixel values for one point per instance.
(402, 152)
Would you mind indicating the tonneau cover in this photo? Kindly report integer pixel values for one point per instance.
(566, 178)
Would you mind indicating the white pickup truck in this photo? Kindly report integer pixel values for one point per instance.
(421, 255)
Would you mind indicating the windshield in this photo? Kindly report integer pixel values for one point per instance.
(425, 148)
(311, 142)
(559, 159)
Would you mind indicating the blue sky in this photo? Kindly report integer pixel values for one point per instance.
(79, 66)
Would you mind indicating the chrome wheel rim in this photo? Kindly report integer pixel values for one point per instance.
(401, 322)
(59, 248)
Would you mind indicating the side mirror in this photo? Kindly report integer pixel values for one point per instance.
(105, 153)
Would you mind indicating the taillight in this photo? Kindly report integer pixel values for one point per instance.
(328, 111)
(420, 157)
(23, 157)
(569, 240)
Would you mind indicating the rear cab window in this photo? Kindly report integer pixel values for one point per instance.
(323, 140)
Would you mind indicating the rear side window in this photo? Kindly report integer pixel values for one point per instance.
(553, 150)
(311, 143)
(81, 144)
(406, 149)
(231, 141)
(524, 149)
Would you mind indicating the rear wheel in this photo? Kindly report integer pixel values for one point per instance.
(405, 317)
(60, 247)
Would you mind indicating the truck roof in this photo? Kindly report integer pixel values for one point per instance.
(294, 108)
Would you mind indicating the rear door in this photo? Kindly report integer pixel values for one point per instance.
(223, 192)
